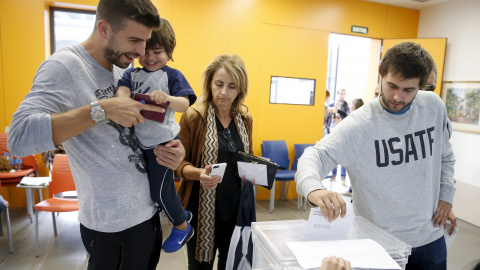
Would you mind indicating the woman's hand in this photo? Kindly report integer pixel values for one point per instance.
(207, 181)
(243, 179)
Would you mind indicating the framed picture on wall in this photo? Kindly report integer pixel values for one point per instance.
(462, 100)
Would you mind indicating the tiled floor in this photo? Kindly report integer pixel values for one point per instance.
(67, 252)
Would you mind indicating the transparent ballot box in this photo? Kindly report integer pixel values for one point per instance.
(270, 250)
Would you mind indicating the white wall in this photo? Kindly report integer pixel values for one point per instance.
(459, 22)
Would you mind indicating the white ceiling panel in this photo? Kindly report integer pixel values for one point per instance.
(413, 4)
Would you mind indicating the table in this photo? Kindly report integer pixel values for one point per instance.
(29, 194)
(12, 179)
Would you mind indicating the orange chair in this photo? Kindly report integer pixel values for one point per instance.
(7, 220)
(29, 161)
(3, 143)
(62, 181)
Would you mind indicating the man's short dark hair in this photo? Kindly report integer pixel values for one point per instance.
(163, 37)
(116, 11)
(408, 59)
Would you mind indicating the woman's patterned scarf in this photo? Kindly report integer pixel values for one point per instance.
(206, 209)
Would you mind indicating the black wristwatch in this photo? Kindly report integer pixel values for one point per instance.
(96, 112)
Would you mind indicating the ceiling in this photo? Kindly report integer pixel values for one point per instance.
(413, 4)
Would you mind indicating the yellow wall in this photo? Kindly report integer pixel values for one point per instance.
(274, 37)
(2, 94)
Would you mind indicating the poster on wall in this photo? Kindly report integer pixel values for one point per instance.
(462, 100)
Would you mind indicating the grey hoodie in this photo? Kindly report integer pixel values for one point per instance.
(399, 165)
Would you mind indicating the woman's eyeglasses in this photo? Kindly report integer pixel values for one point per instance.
(231, 146)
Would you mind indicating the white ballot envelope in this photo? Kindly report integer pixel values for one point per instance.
(449, 238)
(35, 181)
(318, 226)
(251, 170)
(362, 253)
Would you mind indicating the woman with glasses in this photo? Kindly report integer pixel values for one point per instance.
(212, 132)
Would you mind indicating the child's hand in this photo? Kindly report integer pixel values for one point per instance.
(159, 96)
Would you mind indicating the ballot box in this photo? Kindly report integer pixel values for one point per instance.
(271, 252)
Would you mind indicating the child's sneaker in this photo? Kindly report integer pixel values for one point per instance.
(177, 239)
(188, 215)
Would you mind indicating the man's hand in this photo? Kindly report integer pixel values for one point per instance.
(453, 222)
(331, 203)
(334, 263)
(126, 111)
(208, 181)
(442, 213)
(338, 102)
(171, 154)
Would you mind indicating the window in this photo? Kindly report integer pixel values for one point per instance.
(69, 26)
(285, 90)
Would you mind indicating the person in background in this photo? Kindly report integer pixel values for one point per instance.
(212, 132)
(356, 103)
(174, 88)
(432, 79)
(326, 113)
(431, 85)
(339, 104)
(70, 103)
(339, 116)
(377, 91)
(398, 152)
(339, 111)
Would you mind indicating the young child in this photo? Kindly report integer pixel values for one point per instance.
(162, 84)
(337, 117)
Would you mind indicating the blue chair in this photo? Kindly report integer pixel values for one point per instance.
(299, 148)
(277, 152)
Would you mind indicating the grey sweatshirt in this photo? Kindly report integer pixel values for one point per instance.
(399, 165)
(106, 161)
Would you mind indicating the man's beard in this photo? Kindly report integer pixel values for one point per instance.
(387, 104)
(113, 56)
